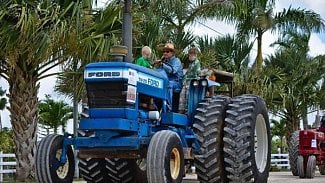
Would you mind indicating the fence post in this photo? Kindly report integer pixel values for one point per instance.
(1, 160)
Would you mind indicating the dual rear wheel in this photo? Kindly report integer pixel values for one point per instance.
(234, 135)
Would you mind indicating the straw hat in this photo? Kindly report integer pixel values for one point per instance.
(169, 46)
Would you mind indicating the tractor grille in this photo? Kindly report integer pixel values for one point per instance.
(107, 94)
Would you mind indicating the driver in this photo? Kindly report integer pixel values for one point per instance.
(174, 69)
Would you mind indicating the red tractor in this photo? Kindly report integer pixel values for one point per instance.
(311, 151)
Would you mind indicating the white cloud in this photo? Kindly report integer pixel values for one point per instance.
(315, 5)
(316, 46)
(212, 28)
(5, 113)
(102, 3)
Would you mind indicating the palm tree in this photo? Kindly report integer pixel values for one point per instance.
(172, 18)
(229, 54)
(147, 27)
(321, 88)
(278, 129)
(54, 113)
(291, 81)
(32, 41)
(3, 102)
(89, 42)
(6, 138)
(254, 18)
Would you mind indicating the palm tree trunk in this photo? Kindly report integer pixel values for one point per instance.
(292, 126)
(0, 123)
(259, 57)
(281, 144)
(257, 80)
(304, 119)
(127, 30)
(23, 89)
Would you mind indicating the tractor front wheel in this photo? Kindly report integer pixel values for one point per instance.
(48, 164)
(301, 167)
(165, 158)
(311, 167)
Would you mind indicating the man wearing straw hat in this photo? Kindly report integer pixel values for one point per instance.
(174, 69)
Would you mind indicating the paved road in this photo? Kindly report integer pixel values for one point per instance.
(275, 177)
(286, 177)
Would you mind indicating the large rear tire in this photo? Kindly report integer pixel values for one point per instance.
(92, 170)
(208, 126)
(47, 161)
(165, 158)
(247, 142)
(293, 152)
(120, 170)
(106, 170)
(141, 170)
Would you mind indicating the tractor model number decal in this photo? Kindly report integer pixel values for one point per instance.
(148, 80)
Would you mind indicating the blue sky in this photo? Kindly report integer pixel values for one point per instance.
(317, 45)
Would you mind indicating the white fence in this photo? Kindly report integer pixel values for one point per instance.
(9, 165)
(280, 160)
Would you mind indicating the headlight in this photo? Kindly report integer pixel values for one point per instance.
(204, 83)
(195, 83)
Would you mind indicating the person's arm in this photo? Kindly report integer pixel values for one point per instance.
(168, 68)
(147, 64)
(173, 67)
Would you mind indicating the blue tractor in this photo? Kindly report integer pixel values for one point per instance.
(226, 139)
